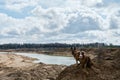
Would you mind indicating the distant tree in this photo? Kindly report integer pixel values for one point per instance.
(53, 45)
(111, 45)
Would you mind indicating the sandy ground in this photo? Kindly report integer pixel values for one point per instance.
(17, 67)
(13, 60)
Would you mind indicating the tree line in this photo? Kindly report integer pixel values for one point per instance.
(54, 45)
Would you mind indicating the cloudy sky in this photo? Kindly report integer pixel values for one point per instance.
(63, 21)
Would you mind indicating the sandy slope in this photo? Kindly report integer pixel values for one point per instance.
(13, 60)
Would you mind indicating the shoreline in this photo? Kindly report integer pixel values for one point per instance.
(17, 67)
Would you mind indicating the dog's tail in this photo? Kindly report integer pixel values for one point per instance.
(89, 63)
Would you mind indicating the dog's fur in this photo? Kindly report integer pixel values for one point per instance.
(85, 61)
(75, 54)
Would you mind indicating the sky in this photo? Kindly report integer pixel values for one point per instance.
(60, 21)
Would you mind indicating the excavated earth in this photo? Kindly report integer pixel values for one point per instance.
(38, 72)
(106, 67)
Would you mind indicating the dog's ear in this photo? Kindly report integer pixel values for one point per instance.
(71, 48)
(74, 48)
(83, 52)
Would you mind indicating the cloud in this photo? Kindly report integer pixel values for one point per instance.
(69, 3)
(109, 36)
(80, 21)
(53, 18)
(18, 5)
(92, 2)
(115, 20)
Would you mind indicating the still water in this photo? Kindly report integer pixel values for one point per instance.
(48, 59)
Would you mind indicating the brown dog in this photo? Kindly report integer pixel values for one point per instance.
(85, 61)
(76, 54)
(80, 57)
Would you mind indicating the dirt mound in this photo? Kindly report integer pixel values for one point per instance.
(108, 69)
(40, 72)
(74, 72)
